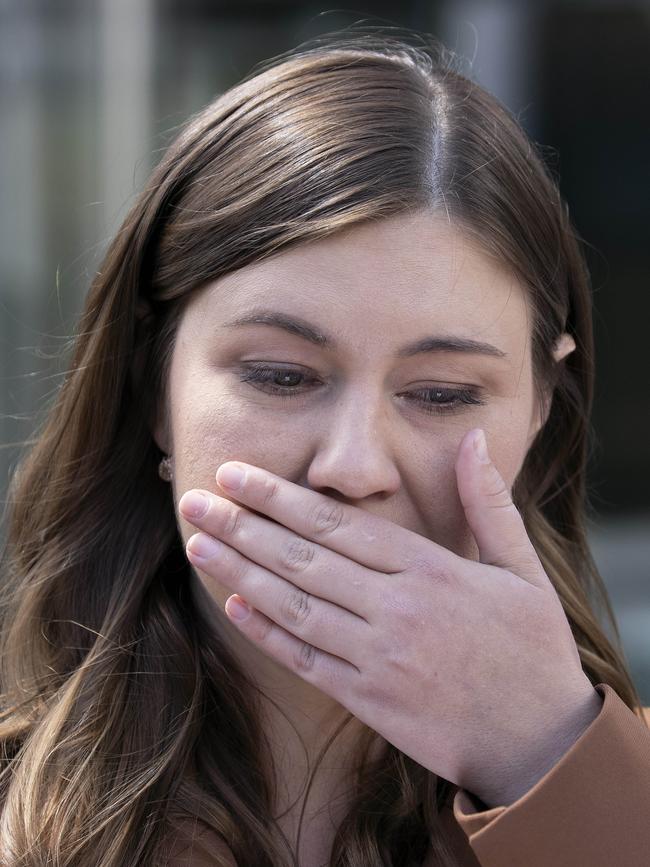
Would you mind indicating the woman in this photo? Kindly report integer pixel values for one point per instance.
(351, 277)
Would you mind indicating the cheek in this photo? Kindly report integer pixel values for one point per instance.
(508, 448)
(209, 429)
(435, 487)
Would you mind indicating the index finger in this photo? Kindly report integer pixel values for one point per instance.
(367, 539)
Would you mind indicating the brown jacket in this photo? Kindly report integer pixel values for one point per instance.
(592, 809)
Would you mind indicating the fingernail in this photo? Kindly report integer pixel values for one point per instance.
(203, 546)
(230, 476)
(193, 504)
(237, 608)
(480, 447)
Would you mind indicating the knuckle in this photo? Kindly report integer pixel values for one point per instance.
(239, 571)
(234, 521)
(372, 691)
(497, 494)
(265, 630)
(411, 619)
(297, 554)
(327, 518)
(296, 607)
(392, 653)
(525, 556)
(270, 490)
(441, 573)
(305, 657)
(432, 569)
(502, 503)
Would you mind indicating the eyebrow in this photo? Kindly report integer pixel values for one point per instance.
(302, 328)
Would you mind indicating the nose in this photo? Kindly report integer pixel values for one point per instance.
(353, 459)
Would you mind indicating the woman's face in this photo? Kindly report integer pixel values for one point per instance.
(405, 337)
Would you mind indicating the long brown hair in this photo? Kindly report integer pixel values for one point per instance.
(123, 713)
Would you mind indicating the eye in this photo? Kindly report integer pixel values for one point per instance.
(275, 380)
(447, 399)
(286, 381)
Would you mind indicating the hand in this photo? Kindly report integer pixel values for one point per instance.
(470, 668)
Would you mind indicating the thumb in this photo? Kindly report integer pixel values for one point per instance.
(493, 518)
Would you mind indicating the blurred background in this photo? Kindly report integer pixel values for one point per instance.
(91, 91)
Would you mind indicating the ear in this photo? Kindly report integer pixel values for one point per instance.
(156, 421)
(562, 347)
(158, 426)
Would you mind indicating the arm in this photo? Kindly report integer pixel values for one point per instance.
(591, 808)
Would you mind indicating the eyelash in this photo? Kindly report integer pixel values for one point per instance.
(455, 398)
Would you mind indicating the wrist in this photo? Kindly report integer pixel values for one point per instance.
(505, 787)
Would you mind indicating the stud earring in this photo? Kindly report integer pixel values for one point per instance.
(165, 469)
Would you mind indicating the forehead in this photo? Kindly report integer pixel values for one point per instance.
(381, 279)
